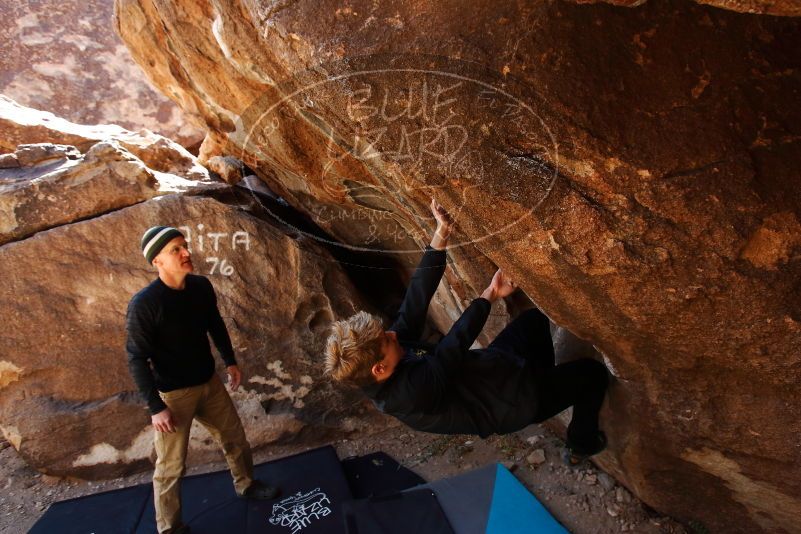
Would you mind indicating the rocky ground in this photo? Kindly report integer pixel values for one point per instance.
(586, 501)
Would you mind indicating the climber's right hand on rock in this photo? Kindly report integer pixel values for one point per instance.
(444, 226)
(164, 421)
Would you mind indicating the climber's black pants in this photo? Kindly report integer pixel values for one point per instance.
(579, 383)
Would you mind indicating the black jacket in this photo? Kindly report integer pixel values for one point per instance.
(447, 388)
(168, 329)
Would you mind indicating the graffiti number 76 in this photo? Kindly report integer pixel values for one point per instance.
(226, 269)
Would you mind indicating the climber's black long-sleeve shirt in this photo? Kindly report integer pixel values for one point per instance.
(169, 329)
(447, 388)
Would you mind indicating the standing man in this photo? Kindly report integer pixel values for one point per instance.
(449, 389)
(170, 359)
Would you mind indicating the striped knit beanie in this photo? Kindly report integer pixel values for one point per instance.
(155, 238)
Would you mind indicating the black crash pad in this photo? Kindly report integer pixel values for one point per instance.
(313, 488)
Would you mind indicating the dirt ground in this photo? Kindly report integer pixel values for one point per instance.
(585, 501)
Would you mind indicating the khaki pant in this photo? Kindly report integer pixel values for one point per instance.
(211, 405)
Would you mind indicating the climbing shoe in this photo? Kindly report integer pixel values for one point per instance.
(576, 454)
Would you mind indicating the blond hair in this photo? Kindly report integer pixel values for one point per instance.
(353, 347)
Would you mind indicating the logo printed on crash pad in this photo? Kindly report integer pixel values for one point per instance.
(299, 510)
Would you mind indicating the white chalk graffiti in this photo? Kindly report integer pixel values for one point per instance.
(299, 510)
(225, 268)
(427, 127)
(210, 242)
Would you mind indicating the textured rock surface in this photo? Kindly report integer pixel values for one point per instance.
(646, 198)
(22, 125)
(788, 8)
(65, 57)
(68, 382)
(50, 185)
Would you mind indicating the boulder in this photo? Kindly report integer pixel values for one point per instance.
(49, 185)
(228, 168)
(635, 170)
(67, 402)
(65, 57)
(30, 155)
(787, 8)
(22, 125)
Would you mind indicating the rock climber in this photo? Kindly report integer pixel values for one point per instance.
(449, 389)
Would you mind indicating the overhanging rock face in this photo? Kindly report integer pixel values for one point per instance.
(636, 170)
(787, 8)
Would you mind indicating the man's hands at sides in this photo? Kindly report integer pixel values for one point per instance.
(164, 421)
(444, 226)
(234, 376)
(500, 287)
